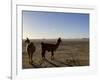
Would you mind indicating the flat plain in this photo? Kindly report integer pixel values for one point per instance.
(70, 53)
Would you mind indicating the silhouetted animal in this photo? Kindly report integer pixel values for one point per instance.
(30, 49)
(50, 48)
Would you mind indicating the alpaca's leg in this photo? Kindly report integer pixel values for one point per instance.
(52, 55)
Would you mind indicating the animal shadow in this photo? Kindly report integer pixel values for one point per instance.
(73, 60)
(64, 63)
(52, 63)
(34, 65)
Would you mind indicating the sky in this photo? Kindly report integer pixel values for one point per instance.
(51, 25)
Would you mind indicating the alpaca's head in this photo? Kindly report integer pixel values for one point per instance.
(27, 41)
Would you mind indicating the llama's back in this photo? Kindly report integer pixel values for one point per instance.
(48, 47)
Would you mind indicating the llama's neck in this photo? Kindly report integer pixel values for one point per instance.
(57, 44)
(27, 46)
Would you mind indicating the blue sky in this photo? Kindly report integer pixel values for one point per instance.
(49, 25)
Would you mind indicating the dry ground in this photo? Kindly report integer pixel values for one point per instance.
(70, 53)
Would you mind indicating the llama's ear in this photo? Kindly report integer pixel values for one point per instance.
(27, 38)
(59, 37)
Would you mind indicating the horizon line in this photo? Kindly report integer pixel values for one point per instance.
(57, 38)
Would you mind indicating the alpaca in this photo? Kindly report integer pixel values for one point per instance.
(30, 49)
(50, 48)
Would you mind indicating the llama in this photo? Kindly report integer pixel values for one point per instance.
(50, 48)
(30, 49)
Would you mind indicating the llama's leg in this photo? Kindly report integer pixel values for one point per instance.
(31, 57)
(52, 55)
(43, 57)
(43, 54)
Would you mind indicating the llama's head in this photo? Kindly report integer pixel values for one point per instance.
(27, 41)
(59, 40)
